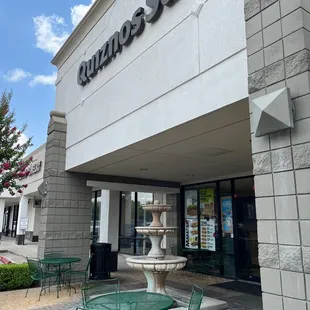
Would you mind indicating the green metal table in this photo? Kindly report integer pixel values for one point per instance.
(131, 301)
(59, 262)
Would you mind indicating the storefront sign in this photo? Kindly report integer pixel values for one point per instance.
(124, 37)
(24, 223)
(34, 168)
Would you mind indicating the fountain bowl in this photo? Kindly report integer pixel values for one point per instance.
(155, 231)
(156, 270)
(157, 208)
(166, 264)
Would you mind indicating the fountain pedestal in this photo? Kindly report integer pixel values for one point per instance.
(156, 265)
(156, 281)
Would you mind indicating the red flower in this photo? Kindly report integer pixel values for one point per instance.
(31, 158)
(1, 170)
(6, 184)
(13, 129)
(20, 191)
(21, 174)
(6, 166)
(27, 172)
(25, 185)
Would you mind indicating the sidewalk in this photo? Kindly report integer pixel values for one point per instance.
(18, 253)
(130, 280)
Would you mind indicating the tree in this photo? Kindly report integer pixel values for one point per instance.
(13, 168)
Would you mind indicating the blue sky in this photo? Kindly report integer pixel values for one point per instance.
(31, 33)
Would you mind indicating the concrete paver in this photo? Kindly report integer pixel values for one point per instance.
(18, 253)
(129, 280)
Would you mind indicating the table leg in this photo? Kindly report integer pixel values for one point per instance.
(59, 281)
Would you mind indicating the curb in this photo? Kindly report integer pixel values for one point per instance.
(5, 260)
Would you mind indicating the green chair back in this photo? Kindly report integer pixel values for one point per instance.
(86, 272)
(54, 254)
(35, 268)
(91, 290)
(196, 298)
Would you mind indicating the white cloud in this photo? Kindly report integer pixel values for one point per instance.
(43, 79)
(16, 75)
(22, 139)
(50, 33)
(78, 12)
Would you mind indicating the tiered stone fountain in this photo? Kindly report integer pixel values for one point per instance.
(156, 265)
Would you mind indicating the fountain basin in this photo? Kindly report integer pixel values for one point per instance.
(155, 231)
(166, 264)
(156, 270)
(157, 208)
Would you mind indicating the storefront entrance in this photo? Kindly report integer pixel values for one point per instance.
(132, 215)
(220, 229)
(10, 221)
(246, 239)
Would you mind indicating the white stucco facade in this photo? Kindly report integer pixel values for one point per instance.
(27, 203)
(192, 61)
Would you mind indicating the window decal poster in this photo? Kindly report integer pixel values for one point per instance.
(227, 215)
(207, 234)
(207, 203)
(191, 204)
(191, 234)
(207, 222)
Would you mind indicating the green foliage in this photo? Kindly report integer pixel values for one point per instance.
(13, 168)
(14, 276)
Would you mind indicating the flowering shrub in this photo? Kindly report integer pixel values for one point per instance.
(12, 166)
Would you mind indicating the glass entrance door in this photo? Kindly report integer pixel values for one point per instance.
(247, 244)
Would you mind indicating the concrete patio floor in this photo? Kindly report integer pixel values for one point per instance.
(129, 279)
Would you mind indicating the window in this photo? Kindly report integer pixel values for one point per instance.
(95, 219)
(132, 215)
(201, 220)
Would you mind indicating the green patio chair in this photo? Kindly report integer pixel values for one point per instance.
(91, 290)
(196, 299)
(81, 274)
(37, 274)
(50, 268)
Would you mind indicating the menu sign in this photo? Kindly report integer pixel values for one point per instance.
(191, 234)
(207, 234)
(207, 222)
(227, 220)
(191, 204)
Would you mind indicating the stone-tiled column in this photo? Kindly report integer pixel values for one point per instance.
(278, 43)
(66, 208)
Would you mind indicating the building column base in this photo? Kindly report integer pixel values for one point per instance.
(20, 239)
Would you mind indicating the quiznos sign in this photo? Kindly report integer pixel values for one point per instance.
(124, 37)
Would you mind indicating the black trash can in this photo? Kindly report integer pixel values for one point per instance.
(100, 266)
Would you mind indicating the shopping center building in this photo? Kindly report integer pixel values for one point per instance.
(20, 214)
(203, 105)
